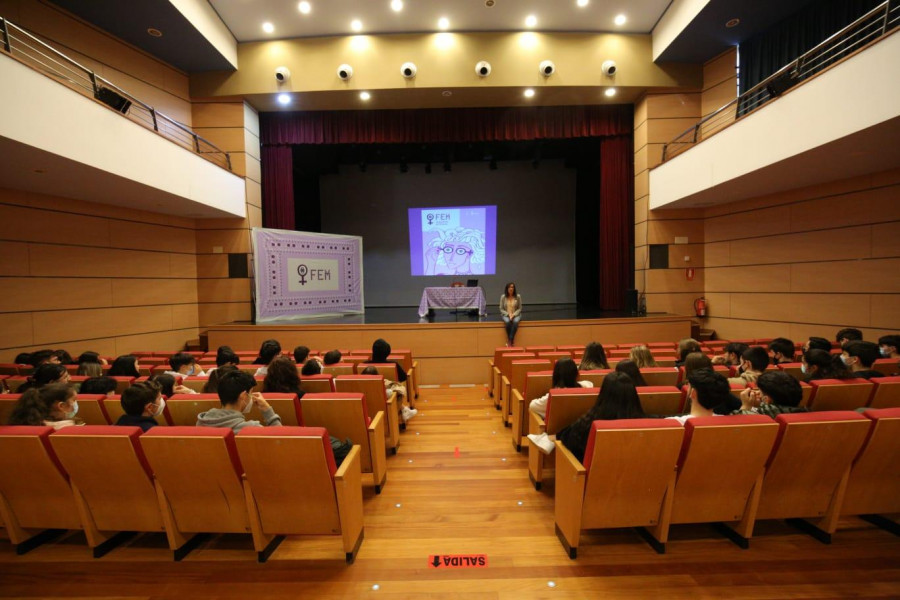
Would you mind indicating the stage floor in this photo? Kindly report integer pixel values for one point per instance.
(409, 314)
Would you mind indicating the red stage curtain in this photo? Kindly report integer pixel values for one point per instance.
(616, 220)
(445, 125)
(278, 187)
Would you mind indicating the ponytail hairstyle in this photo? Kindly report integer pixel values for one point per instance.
(45, 374)
(36, 405)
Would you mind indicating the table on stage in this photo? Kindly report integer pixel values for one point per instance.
(452, 297)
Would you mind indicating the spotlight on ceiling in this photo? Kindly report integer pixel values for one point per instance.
(304, 7)
(268, 27)
(609, 92)
(284, 99)
(620, 20)
(529, 93)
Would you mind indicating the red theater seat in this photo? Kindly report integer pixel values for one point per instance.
(377, 400)
(564, 406)
(873, 488)
(840, 394)
(887, 392)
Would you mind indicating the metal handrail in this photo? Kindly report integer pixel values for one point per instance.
(870, 27)
(54, 63)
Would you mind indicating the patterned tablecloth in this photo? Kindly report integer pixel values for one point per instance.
(452, 297)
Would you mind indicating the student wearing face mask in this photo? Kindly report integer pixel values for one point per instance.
(889, 346)
(142, 402)
(183, 365)
(754, 361)
(858, 356)
(54, 404)
(237, 400)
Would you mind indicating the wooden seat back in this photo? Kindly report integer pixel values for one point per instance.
(794, 369)
(317, 384)
(345, 416)
(285, 405)
(660, 400)
(91, 410)
(204, 492)
(873, 487)
(10, 369)
(7, 404)
(708, 490)
(565, 405)
(887, 392)
(812, 454)
(371, 386)
(595, 376)
(13, 382)
(184, 408)
(519, 369)
(387, 370)
(554, 356)
(888, 366)
(840, 394)
(660, 375)
(195, 383)
(498, 352)
(537, 383)
(507, 358)
(341, 368)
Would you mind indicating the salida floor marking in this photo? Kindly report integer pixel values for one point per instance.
(458, 561)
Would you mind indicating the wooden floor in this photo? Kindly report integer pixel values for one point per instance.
(477, 500)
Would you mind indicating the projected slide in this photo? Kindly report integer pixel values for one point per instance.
(460, 240)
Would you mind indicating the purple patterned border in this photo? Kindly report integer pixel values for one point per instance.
(290, 265)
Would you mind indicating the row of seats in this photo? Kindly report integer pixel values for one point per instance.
(107, 481)
(808, 468)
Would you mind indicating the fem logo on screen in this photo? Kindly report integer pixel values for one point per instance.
(453, 241)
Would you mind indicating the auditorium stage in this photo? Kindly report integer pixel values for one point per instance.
(454, 348)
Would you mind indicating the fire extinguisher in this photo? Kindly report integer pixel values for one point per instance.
(700, 307)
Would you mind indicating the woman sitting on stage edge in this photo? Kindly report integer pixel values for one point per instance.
(511, 311)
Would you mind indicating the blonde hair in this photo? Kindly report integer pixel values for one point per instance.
(642, 357)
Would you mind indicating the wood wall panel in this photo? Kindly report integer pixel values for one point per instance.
(662, 131)
(770, 221)
(254, 193)
(665, 231)
(771, 278)
(141, 292)
(218, 114)
(674, 281)
(16, 328)
(213, 241)
(159, 238)
(862, 207)
(720, 68)
(668, 106)
(212, 265)
(223, 290)
(717, 254)
(718, 96)
(13, 258)
(50, 227)
(640, 135)
(52, 327)
(214, 313)
(672, 302)
(879, 276)
(677, 252)
(813, 246)
(885, 311)
(163, 341)
(26, 294)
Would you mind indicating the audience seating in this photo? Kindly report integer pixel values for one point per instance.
(518, 369)
(377, 400)
(10, 368)
(662, 400)
(91, 410)
(888, 366)
(794, 369)
(286, 406)
(553, 356)
(537, 383)
(317, 384)
(840, 394)
(887, 392)
(660, 375)
(873, 488)
(595, 376)
(195, 383)
(345, 416)
(720, 472)
(631, 486)
(506, 360)
(7, 403)
(564, 406)
(495, 374)
(807, 472)
(35, 496)
(112, 484)
(665, 361)
(341, 368)
(13, 382)
(293, 488)
(184, 408)
(389, 371)
(112, 406)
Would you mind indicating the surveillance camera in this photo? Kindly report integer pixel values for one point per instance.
(345, 72)
(408, 70)
(282, 74)
(547, 68)
(483, 68)
(608, 67)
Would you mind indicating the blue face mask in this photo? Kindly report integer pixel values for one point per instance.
(190, 372)
(71, 415)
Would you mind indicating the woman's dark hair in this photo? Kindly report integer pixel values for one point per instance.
(36, 405)
(282, 376)
(565, 373)
(301, 353)
(45, 374)
(311, 367)
(630, 368)
(225, 355)
(64, 357)
(380, 351)
(165, 382)
(686, 346)
(90, 369)
(695, 361)
(23, 358)
(506, 290)
(124, 366)
(267, 352)
(370, 370)
(212, 383)
(332, 357)
(827, 366)
(98, 385)
(594, 357)
(39, 357)
(89, 357)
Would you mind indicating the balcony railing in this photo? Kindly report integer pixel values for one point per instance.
(32, 51)
(864, 31)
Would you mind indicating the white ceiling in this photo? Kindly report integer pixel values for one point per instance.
(333, 17)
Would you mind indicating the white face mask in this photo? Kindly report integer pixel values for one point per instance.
(249, 405)
(71, 415)
(190, 372)
(162, 407)
(885, 352)
(803, 368)
(846, 359)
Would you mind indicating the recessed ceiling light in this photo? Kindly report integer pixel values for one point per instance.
(396, 5)
(284, 99)
(446, 93)
(732, 23)
(268, 27)
(529, 93)
(364, 95)
(304, 7)
(610, 92)
(530, 21)
(620, 20)
(582, 3)
(153, 31)
(444, 23)
(356, 25)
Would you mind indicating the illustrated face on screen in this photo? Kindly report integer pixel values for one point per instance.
(459, 251)
(452, 241)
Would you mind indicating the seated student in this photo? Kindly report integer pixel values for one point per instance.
(142, 402)
(183, 365)
(693, 362)
(212, 383)
(89, 356)
(125, 366)
(40, 357)
(45, 374)
(406, 412)
(23, 358)
(311, 367)
(380, 352)
(848, 334)
(565, 375)
(685, 347)
(301, 353)
(630, 368)
(732, 354)
(53, 404)
(754, 361)
(817, 343)
(282, 377)
(859, 356)
(819, 364)
(642, 357)
(782, 350)
(617, 400)
(889, 346)
(332, 357)
(89, 369)
(225, 356)
(269, 350)
(706, 390)
(105, 386)
(237, 400)
(594, 358)
(169, 386)
(64, 357)
(778, 393)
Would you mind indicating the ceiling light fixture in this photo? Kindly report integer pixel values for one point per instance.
(284, 99)
(304, 7)
(733, 23)
(529, 93)
(364, 96)
(530, 21)
(154, 32)
(396, 5)
(268, 27)
(582, 3)
(444, 23)
(620, 20)
(610, 92)
(356, 25)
